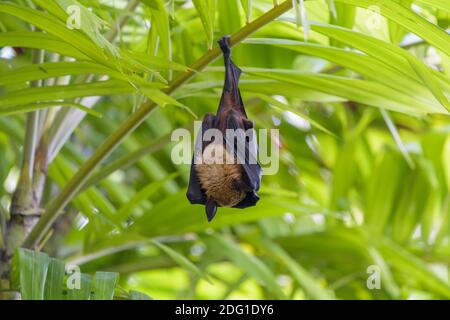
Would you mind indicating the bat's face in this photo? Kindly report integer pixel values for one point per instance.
(220, 179)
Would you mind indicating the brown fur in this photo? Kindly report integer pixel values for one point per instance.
(219, 179)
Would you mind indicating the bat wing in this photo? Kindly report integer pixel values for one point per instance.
(252, 177)
(250, 200)
(195, 193)
(247, 158)
(251, 165)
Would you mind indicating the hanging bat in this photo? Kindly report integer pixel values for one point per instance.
(226, 183)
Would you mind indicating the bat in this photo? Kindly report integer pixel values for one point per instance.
(225, 183)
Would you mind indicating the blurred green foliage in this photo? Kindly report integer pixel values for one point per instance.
(364, 177)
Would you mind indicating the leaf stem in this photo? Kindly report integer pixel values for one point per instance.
(31, 133)
(113, 141)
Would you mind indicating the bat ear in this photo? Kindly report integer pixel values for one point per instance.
(211, 209)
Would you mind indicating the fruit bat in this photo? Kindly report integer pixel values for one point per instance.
(225, 183)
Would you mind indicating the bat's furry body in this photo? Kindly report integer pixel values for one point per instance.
(220, 180)
(227, 183)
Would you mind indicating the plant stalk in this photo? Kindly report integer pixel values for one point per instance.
(24, 209)
(122, 20)
(77, 182)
